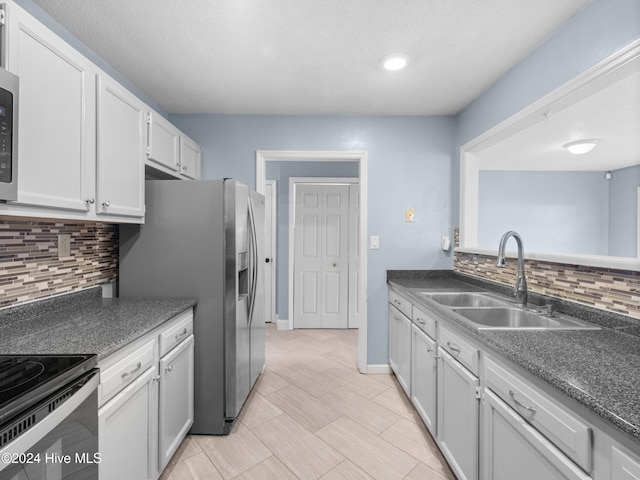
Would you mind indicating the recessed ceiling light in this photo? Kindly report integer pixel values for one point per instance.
(395, 61)
(581, 146)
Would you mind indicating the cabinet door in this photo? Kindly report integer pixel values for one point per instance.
(394, 327)
(424, 377)
(127, 427)
(122, 140)
(404, 354)
(163, 143)
(400, 347)
(624, 466)
(56, 140)
(511, 448)
(189, 158)
(176, 399)
(458, 416)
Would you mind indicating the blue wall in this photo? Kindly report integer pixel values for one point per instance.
(597, 31)
(623, 218)
(281, 172)
(410, 163)
(555, 212)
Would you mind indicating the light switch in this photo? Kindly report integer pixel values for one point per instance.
(409, 214)
(375, 242)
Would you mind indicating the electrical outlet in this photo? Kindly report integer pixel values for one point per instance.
(64, 245)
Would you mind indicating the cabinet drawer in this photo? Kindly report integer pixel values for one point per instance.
(117, 376)
(459, 349)
(400, 303)
(424, 321)
(181, 328)
(565, 430)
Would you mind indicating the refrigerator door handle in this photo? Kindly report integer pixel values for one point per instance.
(253, 261)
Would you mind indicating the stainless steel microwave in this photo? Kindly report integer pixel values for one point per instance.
(8, 136)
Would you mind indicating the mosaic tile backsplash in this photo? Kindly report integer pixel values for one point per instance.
(29, 265)
(614, 290)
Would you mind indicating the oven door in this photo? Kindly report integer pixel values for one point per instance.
(63, 445)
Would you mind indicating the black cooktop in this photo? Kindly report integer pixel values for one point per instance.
(27, 379)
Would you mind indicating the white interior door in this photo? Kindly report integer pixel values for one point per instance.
(321, 259)
(270, 250)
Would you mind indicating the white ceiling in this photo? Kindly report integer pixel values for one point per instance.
(312, 56)
(610, 115)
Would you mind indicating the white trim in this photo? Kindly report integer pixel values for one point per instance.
(292, 221)
(600, 261)
(581, 86)
(274, 266)
(263, 156)
(283, 324)
(378, 370)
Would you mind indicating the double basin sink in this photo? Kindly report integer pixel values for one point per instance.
(489, 312)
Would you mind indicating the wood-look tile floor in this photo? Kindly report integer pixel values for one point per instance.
(312, 415)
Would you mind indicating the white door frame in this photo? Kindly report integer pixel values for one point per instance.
(272, 254)
(263, 156)
(292, 221)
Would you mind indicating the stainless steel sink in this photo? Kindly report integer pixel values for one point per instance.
(518, 319)
(464, 299)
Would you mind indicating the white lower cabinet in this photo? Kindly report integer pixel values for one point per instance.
(146, 401)
(624, 465)
(176, 399)
(127, 431)
(523, 429)
(424, 377)
(458, 414)
(513, 449)
(400, 347)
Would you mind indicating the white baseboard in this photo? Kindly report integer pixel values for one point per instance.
(378, 369)
(283, 324)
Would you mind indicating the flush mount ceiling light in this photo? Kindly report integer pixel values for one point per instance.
(394, 61)
(581, 146)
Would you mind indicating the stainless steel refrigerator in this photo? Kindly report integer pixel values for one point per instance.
(205, 239)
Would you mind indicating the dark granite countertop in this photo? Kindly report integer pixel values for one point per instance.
(83, 323)
(600, 369)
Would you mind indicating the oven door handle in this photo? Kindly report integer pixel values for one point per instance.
(28, 439)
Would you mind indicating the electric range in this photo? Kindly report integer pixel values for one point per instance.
(27, 379)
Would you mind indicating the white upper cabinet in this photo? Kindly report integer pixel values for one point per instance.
(163, 147)
(56, 142)
(189, 158)
(169, 151)
(83, 138)
(122, 139)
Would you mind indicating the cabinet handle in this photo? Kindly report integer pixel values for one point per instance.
(128, 374)
(90, 200)
(169, 368)
(106, 204)
(429, 350)
(181, 334)
(531, 410)
(454, 347)
(184, 168)
(156, 379)
(421, 321)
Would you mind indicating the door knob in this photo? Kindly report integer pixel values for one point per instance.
(267, 260)
(334, 264)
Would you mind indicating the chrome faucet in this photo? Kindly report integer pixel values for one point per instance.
(521, 282)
